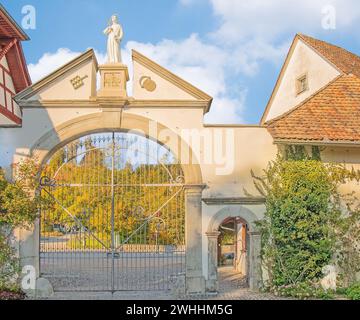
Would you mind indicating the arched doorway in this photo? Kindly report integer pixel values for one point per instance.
(233, 244)
(116, 219)
(233, 247)
(243, 246)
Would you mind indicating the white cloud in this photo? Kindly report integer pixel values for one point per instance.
(247, 57)
(226, 110)
(250, 32)
(205, 66)
(261, 30)
(197, 62)
(49, 62)
(269, 20)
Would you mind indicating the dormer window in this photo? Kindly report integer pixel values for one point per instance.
(302, 84)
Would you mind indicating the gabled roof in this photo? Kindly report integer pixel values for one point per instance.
(11, 36)
(278, 81)
(331, 115)
(9, 28)
(343, 60)
(36, 87)
(171, 77)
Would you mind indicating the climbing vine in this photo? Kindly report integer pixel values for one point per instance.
(305, 228)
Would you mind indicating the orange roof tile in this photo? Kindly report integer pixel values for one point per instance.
(344, 60)
(331, 115)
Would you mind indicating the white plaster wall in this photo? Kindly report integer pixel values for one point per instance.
(253, 149)
(348, 156)
(6, 96)
(9, 82)
(172, 117)
(16, 142)
(5, 122)
(17, 110)
(62, 88)
(4, 63)
(165, 90)
(240, 159)
(303, 60)
(243, 148)
(2, 97)
(238, 156)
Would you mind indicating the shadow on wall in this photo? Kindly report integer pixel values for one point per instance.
(17, 143)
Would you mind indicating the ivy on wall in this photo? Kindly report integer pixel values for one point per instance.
(305, 227)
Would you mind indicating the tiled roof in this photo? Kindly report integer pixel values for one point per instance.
(9, 28)
(11, 36)
(331, 115)
(344, 60)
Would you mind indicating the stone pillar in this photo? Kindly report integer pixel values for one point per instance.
(113, 80)
(195, 281)
(26, 242)
(255, 276)
(212, 284)
(29, 245)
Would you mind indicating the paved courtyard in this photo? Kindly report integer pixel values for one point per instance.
(92, 271)
(232, 286)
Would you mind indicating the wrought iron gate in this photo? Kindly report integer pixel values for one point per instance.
(115, 218)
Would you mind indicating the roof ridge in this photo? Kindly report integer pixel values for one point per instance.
(21, 32)
(342, 64)
(305, 37)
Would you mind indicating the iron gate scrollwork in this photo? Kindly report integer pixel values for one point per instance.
(116, 219)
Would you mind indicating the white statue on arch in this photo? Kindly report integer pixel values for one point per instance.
(115, 34)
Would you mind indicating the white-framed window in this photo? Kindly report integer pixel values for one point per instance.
(302, 84)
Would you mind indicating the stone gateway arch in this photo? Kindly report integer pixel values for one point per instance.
(144, 195)
(138, 185)
(79, 140)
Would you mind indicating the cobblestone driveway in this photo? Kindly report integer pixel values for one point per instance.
(231, 287)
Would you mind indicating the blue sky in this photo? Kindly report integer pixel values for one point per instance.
(232, 49)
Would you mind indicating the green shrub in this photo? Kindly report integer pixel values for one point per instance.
(8, 263)
(353, 292)
(297, 241)
(19, 207)
(305, 227)
(303, 291)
